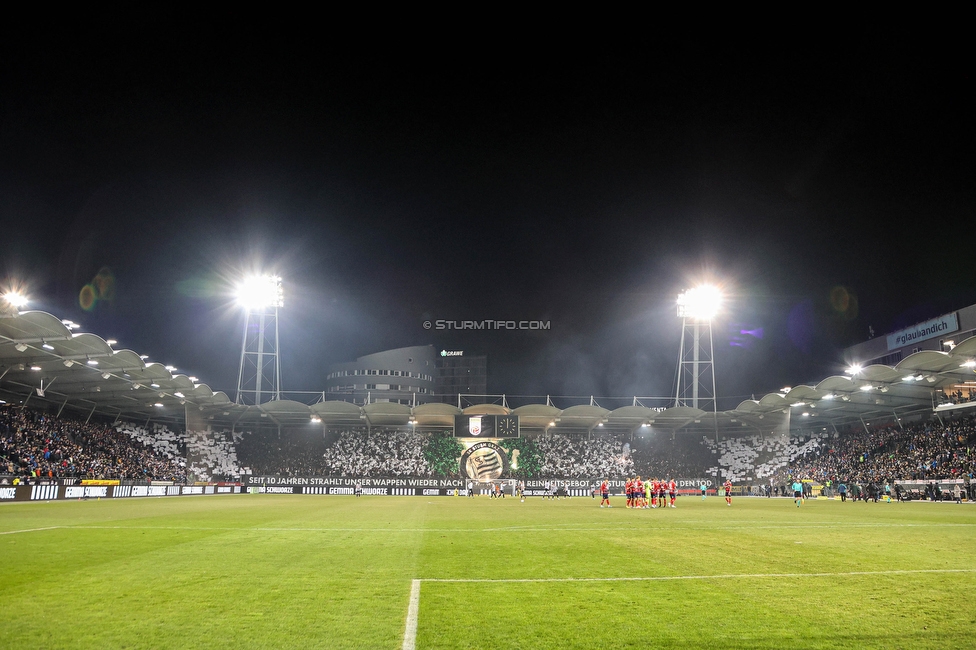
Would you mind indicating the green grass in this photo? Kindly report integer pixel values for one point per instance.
(259, 571)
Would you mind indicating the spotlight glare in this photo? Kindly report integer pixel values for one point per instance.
(260, 292)
(15, 299)
(700, 303)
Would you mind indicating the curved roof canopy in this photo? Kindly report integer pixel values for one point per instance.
(42, 359)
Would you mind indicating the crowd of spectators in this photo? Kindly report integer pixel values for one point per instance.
(376, 453)
(957, 396)
(570, 457)
(664, 456)
(286, 455)
(923, 452)
(757, 457)
(39, 445)
(212, 455)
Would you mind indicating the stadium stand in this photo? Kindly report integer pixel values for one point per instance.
(38, 445)
(926, 451)
(752, 458)
(34, 444)
(566, 457)
(377, 453)
(212, 455)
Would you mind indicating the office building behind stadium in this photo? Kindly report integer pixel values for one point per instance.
(400, 376)
(460, 373)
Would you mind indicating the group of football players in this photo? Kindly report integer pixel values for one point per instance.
(652, 493)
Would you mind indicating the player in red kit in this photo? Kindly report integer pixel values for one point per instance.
(629, 488)
(605, 493)
(728, 491)
(638, 493)
(655, 486)
(672, 490)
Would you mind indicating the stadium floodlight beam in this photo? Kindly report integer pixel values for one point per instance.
(258, 292)
(695, 375)
(701, 303)
(15, 299)
(259, 378)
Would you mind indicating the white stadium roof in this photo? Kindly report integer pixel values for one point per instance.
(84, 372)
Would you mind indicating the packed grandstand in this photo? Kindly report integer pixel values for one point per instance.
(37, 446)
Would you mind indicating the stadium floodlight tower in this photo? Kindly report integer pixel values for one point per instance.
(695, 377)
(259, 379)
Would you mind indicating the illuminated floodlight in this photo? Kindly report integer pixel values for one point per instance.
(15, 299)
(35, 368)
(317, 420)
(969, 364)
(111, 342)
(158, 405)
(854, 369)
(867, 388)
(700, 303)
(92, 362)
(260, 292)
(170, 368)
(47, 346)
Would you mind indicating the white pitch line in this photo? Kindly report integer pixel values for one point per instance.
(616, 529)
(28, 530)
(413, 610)
(729, 576)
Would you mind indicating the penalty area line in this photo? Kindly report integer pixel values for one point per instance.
(728, 576)
(413, 610)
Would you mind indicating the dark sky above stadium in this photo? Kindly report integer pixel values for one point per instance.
(825, 181)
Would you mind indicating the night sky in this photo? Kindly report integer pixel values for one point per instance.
(825, 182)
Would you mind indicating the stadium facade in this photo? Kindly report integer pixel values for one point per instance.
(460, 373)
(399, 376)
(942, 333)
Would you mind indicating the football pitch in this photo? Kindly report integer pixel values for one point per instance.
(270, 571)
